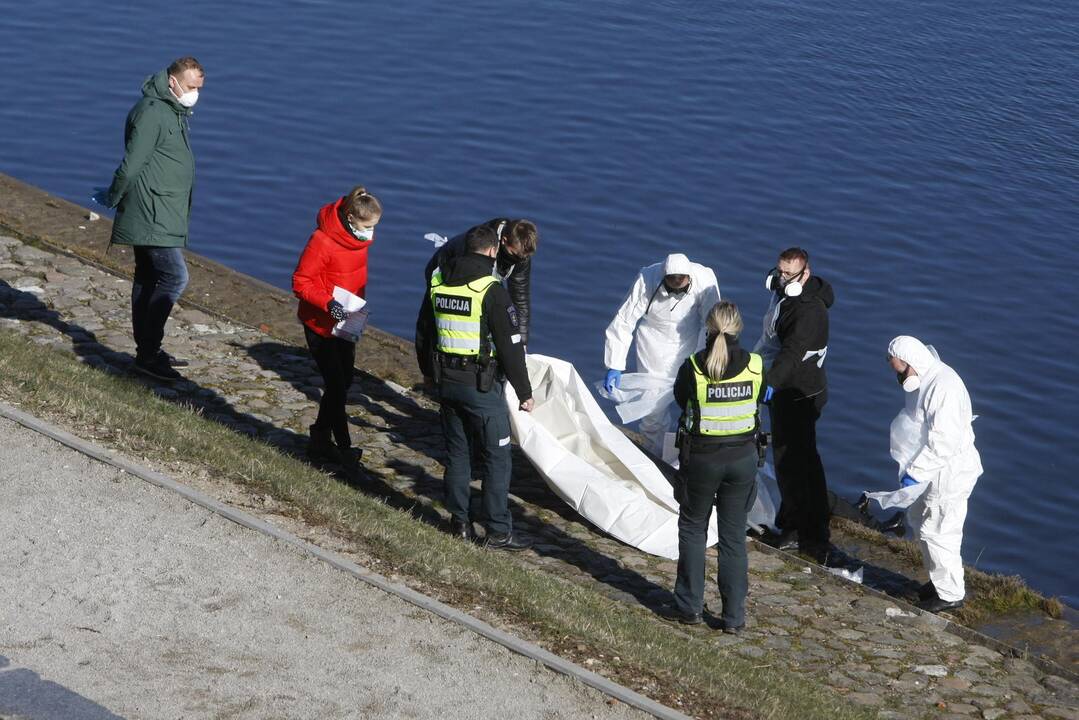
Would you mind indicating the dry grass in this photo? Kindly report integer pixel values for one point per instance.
(640, 650)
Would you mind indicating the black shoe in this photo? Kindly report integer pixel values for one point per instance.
(896, 524)
(936, 605)
(819, 553)
(507, 541)
(321, 446)
(463, 529)
(734, 629)
(927, 592)
(172, 361)
(784, 540)
(673, 614)
(157, 369)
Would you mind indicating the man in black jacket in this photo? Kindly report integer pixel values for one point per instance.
(795, 343)
(474, 344)
(517, 240)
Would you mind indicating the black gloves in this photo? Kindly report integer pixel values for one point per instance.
(336, 310)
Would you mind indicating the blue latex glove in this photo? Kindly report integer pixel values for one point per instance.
(768, 392)
(907, 481)
(613, 380)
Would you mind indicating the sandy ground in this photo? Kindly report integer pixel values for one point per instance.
(119, 599)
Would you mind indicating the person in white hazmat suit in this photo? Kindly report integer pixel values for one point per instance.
(933, 442)
(667, 308)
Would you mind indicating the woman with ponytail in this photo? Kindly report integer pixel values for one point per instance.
(335, 256)
(719, 390)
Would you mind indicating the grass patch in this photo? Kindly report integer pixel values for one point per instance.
(685, 670)
(988, 594)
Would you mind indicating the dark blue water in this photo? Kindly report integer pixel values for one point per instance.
(925, 153)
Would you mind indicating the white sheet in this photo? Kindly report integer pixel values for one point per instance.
(591, 465)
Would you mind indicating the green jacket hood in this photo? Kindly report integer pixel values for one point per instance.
(157, 87)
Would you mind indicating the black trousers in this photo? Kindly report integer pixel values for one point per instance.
(336, 360)
(728, 482)
(799, 471)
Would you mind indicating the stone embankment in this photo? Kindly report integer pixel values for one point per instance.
(875, 651)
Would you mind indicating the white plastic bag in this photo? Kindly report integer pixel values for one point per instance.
(638, 395)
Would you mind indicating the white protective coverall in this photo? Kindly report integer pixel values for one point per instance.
(932, 440)
(669, 328)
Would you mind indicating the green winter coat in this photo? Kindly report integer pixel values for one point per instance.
(151, 190)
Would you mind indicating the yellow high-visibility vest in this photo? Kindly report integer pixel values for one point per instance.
(459, 315)
(727, 407)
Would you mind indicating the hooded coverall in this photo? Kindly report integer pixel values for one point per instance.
(933, 442)
(669, 327)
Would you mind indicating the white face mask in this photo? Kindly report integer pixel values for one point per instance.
(363, 234)
(189, 98)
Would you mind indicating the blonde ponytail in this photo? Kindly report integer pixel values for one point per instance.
(723, 319)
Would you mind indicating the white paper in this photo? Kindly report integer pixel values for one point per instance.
(352, 327)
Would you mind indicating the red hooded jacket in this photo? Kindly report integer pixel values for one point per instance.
(333, 256)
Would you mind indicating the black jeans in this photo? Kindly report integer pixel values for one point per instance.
(336, 360)
(160, 279)
(481, 417)
(731, 487)
(799, 471)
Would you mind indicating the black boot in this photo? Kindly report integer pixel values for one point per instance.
(783, 540)
(927, 592)
(508, 541)
(936, 605)
(321, 447)
(350, 465)
(462, 529)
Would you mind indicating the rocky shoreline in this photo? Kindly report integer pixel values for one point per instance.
(250, 371)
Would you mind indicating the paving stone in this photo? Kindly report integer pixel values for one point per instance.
(1061, 712)
(954, 683)
(865, 698)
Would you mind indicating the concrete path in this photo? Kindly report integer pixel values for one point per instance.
(122, 600)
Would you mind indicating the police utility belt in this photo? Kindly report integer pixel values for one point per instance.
(483, 368)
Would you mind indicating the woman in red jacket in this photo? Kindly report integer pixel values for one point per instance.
(335, 256)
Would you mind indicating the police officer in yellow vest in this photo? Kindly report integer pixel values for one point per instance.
(477, 346)
(718, 389)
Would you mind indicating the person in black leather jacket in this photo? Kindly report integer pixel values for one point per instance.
(513, 264)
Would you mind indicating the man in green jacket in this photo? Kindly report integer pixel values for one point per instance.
(151, 192)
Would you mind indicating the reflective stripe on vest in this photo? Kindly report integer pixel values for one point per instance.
(458, 314)
(727, 407)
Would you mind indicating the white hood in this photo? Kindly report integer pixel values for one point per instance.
(914, 352)
(677, 264)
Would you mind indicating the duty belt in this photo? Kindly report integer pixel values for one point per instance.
(457, 362)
